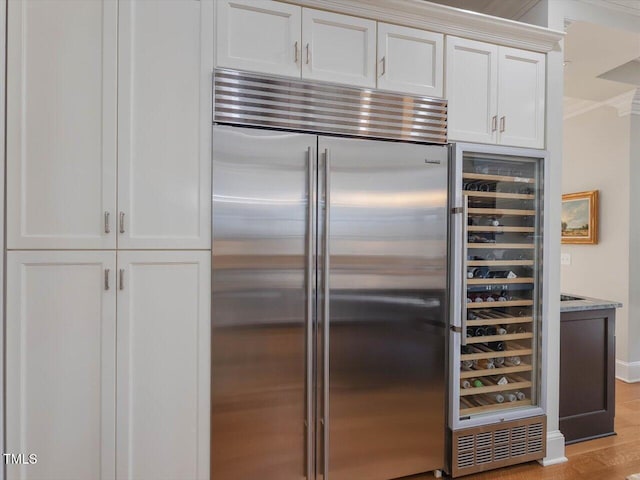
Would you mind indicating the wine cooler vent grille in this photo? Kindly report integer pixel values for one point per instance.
(494, 446)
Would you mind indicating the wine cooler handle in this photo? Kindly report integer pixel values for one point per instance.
(308, 422)
(463, 296)
(325, 324)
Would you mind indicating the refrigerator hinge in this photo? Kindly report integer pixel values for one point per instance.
(456, 329)
(455, 210)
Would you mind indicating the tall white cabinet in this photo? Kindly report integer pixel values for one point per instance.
(109, 153)
(61, 124)
(163, 365)
(165, 63)
(61, 364)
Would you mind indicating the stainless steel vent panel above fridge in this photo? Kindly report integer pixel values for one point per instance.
(329, 309)
(250, 99)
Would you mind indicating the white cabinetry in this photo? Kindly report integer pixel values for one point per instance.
(338, 48)
(472, 90)
(61, 124)
(282, 39)
(62, 353)
(521, 97)
(496, 94)
(60, 359)
(259, 35)
(163, 365)
(164, 123)
(71, 66)
(410, 60)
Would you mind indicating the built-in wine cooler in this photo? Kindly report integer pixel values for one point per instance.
(497, 300)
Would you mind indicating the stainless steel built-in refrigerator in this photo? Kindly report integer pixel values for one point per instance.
(329, 308)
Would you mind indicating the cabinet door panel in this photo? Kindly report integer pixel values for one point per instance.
(338, 48)
(61, 123)
(521, 98)
(258, 35)
(472, 90)
(410, 60)
(163, 366)
(61, 364)
(164, 128)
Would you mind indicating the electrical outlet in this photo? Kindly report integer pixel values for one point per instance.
(565, 259)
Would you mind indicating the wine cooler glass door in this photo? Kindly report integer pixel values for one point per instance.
(497, 364)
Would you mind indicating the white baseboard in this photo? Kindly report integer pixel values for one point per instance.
(555, 449)
(628, 372)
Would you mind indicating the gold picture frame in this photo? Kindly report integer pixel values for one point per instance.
(580, 217)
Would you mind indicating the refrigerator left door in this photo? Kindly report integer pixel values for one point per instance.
(263, 303)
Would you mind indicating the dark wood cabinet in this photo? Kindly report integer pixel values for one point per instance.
(587, 374)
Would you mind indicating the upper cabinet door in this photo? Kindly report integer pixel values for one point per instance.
(164, 124)
(61, 124)
(163, 371)
(410, 60)
(338, 48)
(472, 90)
(258, 35)
(60, 370)
(521, 98)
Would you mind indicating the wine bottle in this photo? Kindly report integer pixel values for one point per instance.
(498, 362)
(477, 383)
(467, 364)
(496, 346)
(514, 361)
(511, 397)
(496, 397)
(519, 395)
(501, 331)
(502, 381)
(465, 384)
(485, 363)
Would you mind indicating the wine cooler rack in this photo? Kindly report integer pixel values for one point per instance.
(501, 253)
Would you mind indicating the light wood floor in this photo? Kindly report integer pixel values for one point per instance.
(610, 458)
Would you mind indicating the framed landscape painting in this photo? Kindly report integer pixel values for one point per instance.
(580, 217)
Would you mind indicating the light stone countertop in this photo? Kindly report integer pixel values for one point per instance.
(586, 303)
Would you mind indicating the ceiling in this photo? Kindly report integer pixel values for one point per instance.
(512, 9)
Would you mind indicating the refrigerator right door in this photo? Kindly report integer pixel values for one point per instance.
(497, 280)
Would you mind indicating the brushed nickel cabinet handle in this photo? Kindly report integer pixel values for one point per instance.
(383, 61)
(107, 227)
(503, 121)
(308, 54)
(296, 52)
(494, 123)
(122, 279)
(121, 222)
(106, 279)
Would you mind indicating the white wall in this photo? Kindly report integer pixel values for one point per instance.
(596, 157)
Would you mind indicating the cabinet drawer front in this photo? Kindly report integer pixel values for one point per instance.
(259, 35)
(164, 124)
(61, 123)
(521, 99)
(61, 364)
(338, 48)
(410, 60)
(472, 90)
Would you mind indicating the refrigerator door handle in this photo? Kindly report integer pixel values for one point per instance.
(308, 422)
(325, 323)
(463, 296)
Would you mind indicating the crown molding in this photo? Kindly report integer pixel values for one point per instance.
(615, 6)
(443, 19)
(626, 103)
(635, 103)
